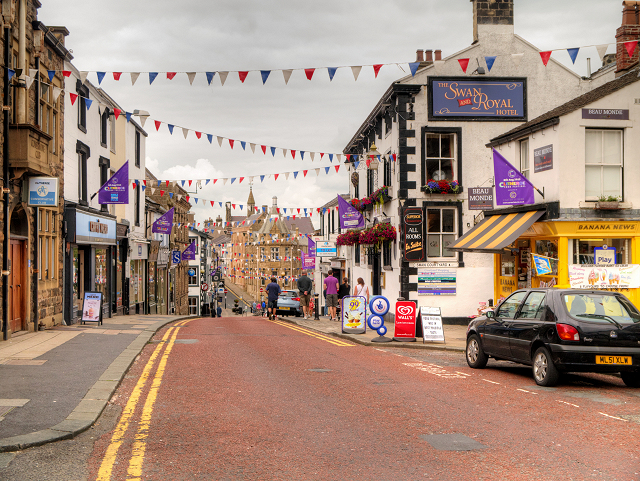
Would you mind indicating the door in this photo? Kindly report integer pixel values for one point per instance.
(17, 286)
(526, 326)
(496, 331)
(78, 283)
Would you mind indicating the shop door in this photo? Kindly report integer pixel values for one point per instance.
(78, 283)
(17, 286)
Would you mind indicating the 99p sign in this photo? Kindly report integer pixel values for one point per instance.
(354, 314)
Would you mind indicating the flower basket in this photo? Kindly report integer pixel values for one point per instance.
(608, 205)
(349, 238)
(378, 234)
(442, 187)
(379, 197)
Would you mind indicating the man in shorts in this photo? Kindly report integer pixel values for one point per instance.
(331, 285)
(273, 291)
(304, 288)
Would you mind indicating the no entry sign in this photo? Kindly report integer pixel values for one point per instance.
(405, 324)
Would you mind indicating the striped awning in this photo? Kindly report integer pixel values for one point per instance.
(496, 232)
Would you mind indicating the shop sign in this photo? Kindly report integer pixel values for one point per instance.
(139, 250)
(480, 198)
(437, 281)
(542, 265)
(326, 249)
(121, 231)
(405, 322)
(308, 262)
(605, 255)
(543, 158)
(43, 191)
(605, 114)
(607, 226)
(353, 314)
(92, 307)
(413, 234)
(92, 229)
(176, 257)
(591, 276)
(432, 329)
(458, 98)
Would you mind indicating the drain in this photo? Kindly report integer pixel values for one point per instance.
(319, 370)
(452, 442)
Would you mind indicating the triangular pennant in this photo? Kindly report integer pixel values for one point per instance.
(185, 132)
(490, 61)
(295, 175)
(332, 72)
(602, 50)
(66, 73)
(83, 76)
(243, 76)
(231, 141)
(302, 154)
(117, 113)
(326, 170)
(199, 134)
(356, 71)
(264, 149)
(376, 69)
(265, 75)
(232, 181)
(313, 154)
(210, 76)
(240, 180)
(273, 151)
(317, 171)
(253, 147)
(223, 77)
(275, 176)
(191, 76)
(309, 72)
(116, 75)
(262, 178)
(293, 154)
(158, 123)
(170, 128)
(210, 138)
(128, 115)
(33, 73)
(100, 76)
(545, 57)
(631, 47)
(170, 75)
(573, 53)
(152, 77)
(337, 167)
(56, 93)
(143, 119)
(330, 157)
(304, 173)
(243, 144)
(286, 175)
(464, 63)
(517, 58)
(284, 152)
(134, 77)
(88, 103)
(287, 75)
(413, 66)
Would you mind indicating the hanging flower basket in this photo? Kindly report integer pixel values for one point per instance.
(349, 238)
(379, 197)
(377, 234)
(442, 187)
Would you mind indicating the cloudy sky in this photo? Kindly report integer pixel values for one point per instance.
(316, 115)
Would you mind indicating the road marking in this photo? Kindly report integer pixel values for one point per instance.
(492, 382)
(568, 404)
(529, 392)
(468, 375)
(331, 340)
(614, 417)
(139, 446)
(106, 467)
(434, 369)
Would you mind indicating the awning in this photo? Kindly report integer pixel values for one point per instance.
(496, 232)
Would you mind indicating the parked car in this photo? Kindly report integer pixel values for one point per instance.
(289, 303)
(560, 330)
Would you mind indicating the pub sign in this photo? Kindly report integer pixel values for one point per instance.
(413, 234)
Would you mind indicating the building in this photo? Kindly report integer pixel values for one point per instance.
(199, 273)
(159, 255)
(32, 163)
(423, 147)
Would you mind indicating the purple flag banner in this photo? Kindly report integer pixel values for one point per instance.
(189, 253)
(311, 248)
(350, 218)
(164, 223)
(512, 188)
(308, 262)
(116, 189)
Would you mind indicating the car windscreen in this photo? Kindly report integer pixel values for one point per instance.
(601, 308)
(287, 294)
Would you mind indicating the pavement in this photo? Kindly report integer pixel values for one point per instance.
(56, 383)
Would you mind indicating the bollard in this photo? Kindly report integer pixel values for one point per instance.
(317, 306)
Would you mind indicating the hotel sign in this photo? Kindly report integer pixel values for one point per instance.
(413, 234)
(458, 98)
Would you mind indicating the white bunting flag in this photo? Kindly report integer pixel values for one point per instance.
(602, 50)
(33, 73)
(56, 93)
(356, 71)
(338, 156)
(134, 77)
(224, 181)
(287, 75)
(253, 147)
(284, 152)
(143, 119)
(223, 77)
(191, 76)
(317, 172)
(286, 175)
(185, 132)
(517, 57)
(200, 184)
(313, 154)
(28, 80)
(83, 76)
(220, 139)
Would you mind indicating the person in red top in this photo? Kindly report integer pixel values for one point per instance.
(331, 285)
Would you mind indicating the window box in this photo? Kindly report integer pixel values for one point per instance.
(608, 205)
(442, 187)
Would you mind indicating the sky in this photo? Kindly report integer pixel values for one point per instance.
(317, 115)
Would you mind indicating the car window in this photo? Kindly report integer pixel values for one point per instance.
(602, 309)
(287, 294)
(509, 307)
(533, 306)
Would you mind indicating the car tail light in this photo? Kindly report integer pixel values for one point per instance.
(567, 332)
(296, 299)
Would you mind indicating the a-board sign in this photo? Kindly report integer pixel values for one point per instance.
(354, 314)
(405, 322)
(92, 307)
(431, 324)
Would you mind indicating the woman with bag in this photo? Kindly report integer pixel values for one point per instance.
(361, 289)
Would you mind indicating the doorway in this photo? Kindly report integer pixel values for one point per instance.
(17, 285)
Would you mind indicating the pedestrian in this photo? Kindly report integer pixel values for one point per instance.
(219, 311)
(253, 307)
(343, 291)
(304, 289)
(264, 309)
(273, 292)
(361, 289)
(331, 285)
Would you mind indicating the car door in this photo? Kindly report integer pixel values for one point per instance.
(526, 326)
(495, 340)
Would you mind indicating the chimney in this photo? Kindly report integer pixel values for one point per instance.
(628, 32)
(492, 16)
(438, 55)
(419, 56)
(429, 57)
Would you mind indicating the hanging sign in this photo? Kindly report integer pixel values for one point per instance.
(43, 191)
(311, 248)
(164, 223)
(480, 198)
(189, 254)
(308, 262)
(176, 257)
(432, 329)
(350, 217)
(354, 314)
(92, 307)
(413, 234)
(116, 189)
(326, 249)
(405, 323)
(543, 158)
(542, 265)
(512, 188)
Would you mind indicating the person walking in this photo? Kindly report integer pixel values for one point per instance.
(253, 307)
(331, 285)
(219, 311)
(273, 291)
(304, 289)
(264, 309)
(343, 291)
(361, 289)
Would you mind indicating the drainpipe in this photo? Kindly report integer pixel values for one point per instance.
(5, 188)
(36, 250)
(22, 56)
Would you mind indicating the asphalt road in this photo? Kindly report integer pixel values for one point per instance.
(247, 399)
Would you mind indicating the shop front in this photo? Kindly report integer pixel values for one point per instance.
(152, 298)
(138, 256)
(535, 248)
(162, 280)
(90, 249)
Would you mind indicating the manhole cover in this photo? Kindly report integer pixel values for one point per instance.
(320, 370)
(452, 442)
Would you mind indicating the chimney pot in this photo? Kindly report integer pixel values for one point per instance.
(629, 31)
(419, 56)
(429, 56)
(629, 13)
(438, 54)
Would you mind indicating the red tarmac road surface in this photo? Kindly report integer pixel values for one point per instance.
(238, 400)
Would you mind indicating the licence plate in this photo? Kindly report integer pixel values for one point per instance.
(624, 360)
(284, 308)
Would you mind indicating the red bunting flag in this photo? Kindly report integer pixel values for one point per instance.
(73, 97)
(394, 157)
(133, 185)
(166, 181)
(305, 172)
(211, 203)
(464, 63)
(231, 141)
(309, 72)
(116, 75)
(631, 47)
(278, 209)
(368, 162)
(117, 113)
(243, 76)
(293, 154)
(294, 218)
(161, 193)
(170, 75)
(66, 73)
(264, 149)
(298, 210)
(337, 167)
(321, 155)
(144, 182)
(215, 180)
(198, 135)
(276, 176)
(376, 69)
(348, 157)
(241, 179)
(187, 198)
(545, 57)
(190, 185)
(234, 206)
(157, 122)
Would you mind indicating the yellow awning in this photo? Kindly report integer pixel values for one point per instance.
(496, 232)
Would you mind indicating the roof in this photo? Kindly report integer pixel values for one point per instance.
(551, 117)
(304, 225)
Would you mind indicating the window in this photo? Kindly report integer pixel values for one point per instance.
(440, 156)
(103, 162)
(441, 232)
(275, 253)
(83, 94)
(533, 306)
(47, 244)
(262, 254)
(104, 127)
(356, 187)
(387, 170)
(112, 131)
(138, 139)
(370, 182)
(193, 280)
(388, 124)
(357, 254)
(524, 158)
(333, 223)
(386, 253)
(193, 306)
(510, 306)
(136, 206)
(84, 153)
(286, 252)
(603, 164)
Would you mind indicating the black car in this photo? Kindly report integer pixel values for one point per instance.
(560, 330)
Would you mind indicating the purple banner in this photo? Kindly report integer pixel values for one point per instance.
(350, 218)
(164, 223)
(311, 248)
(308, 262)
(189, 254)
(116, 189)
(512, 188)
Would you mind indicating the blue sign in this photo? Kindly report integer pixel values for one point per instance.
(542, 265)
(375, 322)
(603, 256)
(191, 272)
(326, 249)
(176, 257)
(379, 305)
(489, 98)
(43, 191)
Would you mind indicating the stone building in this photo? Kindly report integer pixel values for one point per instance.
(32, 147)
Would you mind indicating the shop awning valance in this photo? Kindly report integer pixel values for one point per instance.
(496, 232)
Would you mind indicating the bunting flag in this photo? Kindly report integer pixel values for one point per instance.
(376, 69)
(602, 51)
(573, 54)
(287, 75)
(464, 63)
(332, 72)
(545, 57)
(490, 61)
(265, 75)
(309, 72)
(191, 76)
(210, 76)
(356, 71)
(631, 47)
(414, 68)
(100, 76)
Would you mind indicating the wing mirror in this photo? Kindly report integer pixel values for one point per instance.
(490, 314)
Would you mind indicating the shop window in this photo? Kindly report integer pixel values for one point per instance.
(603, 164)
(47, 244)
(193, 306)
(524, 158)
(102, 274)
(442, 231)
(583, 250)
(440, 159)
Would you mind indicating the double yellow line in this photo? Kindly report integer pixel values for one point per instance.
(139, 446)
(331, 340)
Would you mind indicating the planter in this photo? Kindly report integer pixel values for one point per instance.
(608, 205)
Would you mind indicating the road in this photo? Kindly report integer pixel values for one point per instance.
(248, 399)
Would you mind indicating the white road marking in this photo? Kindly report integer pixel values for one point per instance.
(468, 375)
(528, 392)
(434, 369)
(492, 382)
(568, 404)
(614, 417)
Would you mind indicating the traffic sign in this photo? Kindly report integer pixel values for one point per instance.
(225, 291)
(204, 287)
(262, 289)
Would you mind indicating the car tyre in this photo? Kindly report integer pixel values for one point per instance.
(631, 378)
(545, 372)
(476, 357)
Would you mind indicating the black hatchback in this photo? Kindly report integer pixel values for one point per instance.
(560, 330)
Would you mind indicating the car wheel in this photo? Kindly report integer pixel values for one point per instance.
(545, 372)
(631, 379)
(476, 358)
